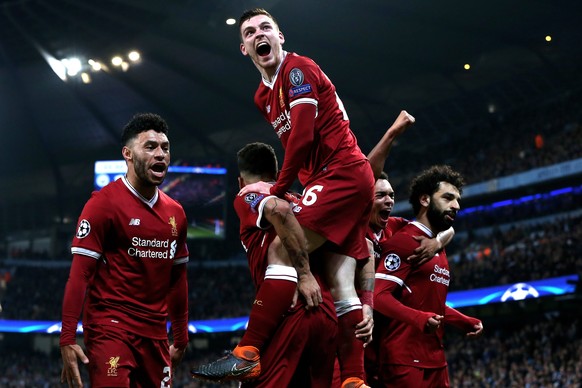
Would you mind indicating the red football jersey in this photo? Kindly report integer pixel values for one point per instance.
(422, 288)
(379, 239)
(256, 233)
(136, 243)
(299, 80)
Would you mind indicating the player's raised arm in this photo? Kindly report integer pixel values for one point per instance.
(379, 153)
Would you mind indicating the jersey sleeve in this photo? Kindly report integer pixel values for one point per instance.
(391, 276)
(459, 320)
(82, 270)
(178, 306)
(301, 85)
(182, 253)
(92, 227)
(298, 147)
(249, 209)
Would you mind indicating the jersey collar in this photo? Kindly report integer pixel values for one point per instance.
(270, 84)
(424, 228)
(150, 202)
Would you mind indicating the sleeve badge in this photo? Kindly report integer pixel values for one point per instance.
(392, 262)
(84, 229)
(296, 77)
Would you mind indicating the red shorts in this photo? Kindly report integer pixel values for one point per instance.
(337, 204)
(121, 359)
(396, 376)
(301, 353)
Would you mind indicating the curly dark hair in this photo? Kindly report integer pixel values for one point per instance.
(427, 182)
(142, 122)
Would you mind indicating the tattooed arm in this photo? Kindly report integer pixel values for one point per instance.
(292, 245)
(365, 286)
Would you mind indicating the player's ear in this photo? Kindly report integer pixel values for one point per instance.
(243, 49)
(281, 37)
(126, 153)
(425, 200)
(241, 182)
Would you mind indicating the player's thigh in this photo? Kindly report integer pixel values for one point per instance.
(337, 200)
(111, 359)
(322, 355)
(154, 363)
(281, 359)
(314, 239)
(339, 270)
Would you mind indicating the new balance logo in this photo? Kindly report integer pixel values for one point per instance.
(134, 221)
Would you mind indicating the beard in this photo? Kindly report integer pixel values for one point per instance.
(141, 171)
(438, 220)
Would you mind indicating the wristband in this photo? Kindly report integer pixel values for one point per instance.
(367, 297)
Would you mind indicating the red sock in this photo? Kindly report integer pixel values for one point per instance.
(272, 301)
(350, 349)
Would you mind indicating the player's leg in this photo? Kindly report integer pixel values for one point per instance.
(112, 360)
(155, 367)
(274, 297)
(282, 356)
(340, 273)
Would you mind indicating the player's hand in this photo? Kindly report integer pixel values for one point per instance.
(176, 356)
(425, 251)
(478, 330)
(258, 187)
(403, 121)
(292, 198)
(434, 323)
(70, 373)
(364, 329)
(295, 298)
(309, 288)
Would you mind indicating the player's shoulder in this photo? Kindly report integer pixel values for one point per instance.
(294, 60)
(167, 200)
(402, 239)
(108, 193)
(249, 201)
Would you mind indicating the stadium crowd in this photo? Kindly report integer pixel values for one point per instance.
(525, 139)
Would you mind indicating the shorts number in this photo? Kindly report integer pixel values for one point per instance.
(310, 197)
(167, 380)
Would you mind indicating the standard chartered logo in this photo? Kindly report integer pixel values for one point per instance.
(440, 275)
(173, 249)
(152, 248)
(282, 118)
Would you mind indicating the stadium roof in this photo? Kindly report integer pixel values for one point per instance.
(383, 56)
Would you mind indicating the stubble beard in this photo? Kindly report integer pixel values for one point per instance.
(437, 219)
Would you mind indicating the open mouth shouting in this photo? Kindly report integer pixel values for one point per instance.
(384, 215)
(159, 169)
(263, 49)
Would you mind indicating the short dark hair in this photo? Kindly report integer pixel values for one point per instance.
(249, 13)
(427, 182)
(383, 175)
(257, 159)
(142, 122)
